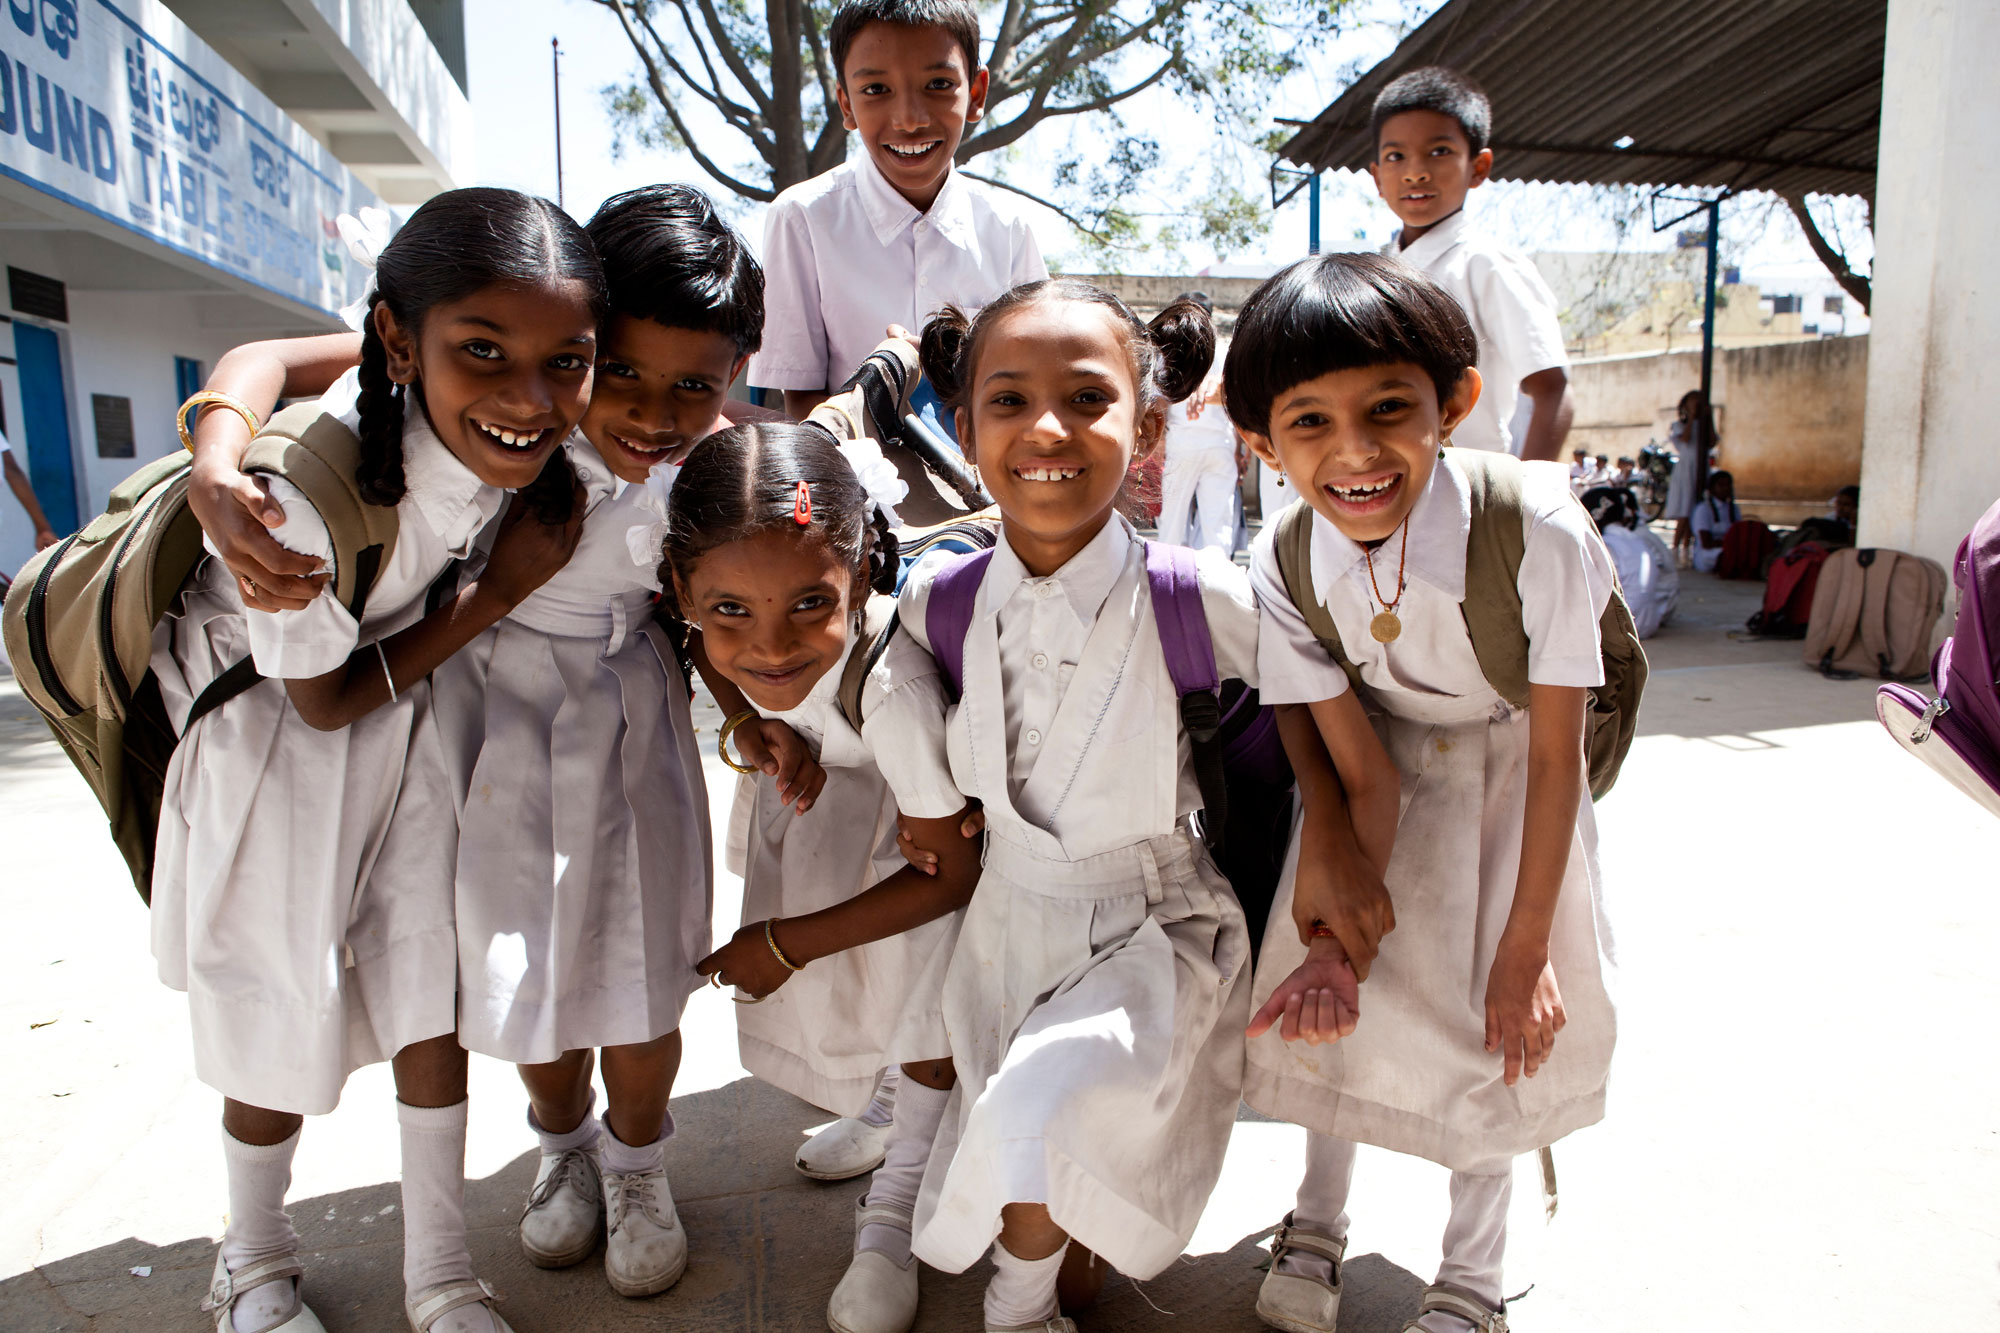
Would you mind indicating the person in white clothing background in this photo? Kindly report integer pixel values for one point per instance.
(24, 491)
(1203, 466)
(894, 235)
(1432, 128)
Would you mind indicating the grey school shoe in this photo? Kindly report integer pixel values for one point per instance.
(565, 1211)
(226, 1288)
(876, 1294)
(1296, 1302)
(1458, 1301)
(426, 1307)
(646, 1250)
(847, 1148)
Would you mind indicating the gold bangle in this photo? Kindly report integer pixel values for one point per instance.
(771, 938)
(219, 399)
(722, 739)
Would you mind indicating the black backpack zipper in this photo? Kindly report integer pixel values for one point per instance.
(38, 631)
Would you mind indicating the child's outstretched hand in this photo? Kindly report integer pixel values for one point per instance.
(973, 824)
(528, 551)
(1319, 1002)
(1524, 1008)
(747, 963)
(780, 753)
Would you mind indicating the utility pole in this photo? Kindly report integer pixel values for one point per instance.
(555, 62)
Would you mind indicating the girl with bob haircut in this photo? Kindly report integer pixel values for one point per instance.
(1348, 373)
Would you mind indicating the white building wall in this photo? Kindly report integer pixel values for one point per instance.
(121, 343)
(1930, 466)
(390, 47)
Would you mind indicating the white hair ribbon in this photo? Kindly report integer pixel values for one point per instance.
(647, 540)
(880, 482)
(365, 237)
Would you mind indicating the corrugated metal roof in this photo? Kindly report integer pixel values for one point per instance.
(1751, 94)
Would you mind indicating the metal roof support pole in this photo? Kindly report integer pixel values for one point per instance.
(1704, 446)
(1312, 217)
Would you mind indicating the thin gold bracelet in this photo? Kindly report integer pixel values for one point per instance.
(771, 938)
(722, 740)
(219, 399)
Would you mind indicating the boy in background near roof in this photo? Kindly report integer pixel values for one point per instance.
(893, 236)
(1431, 130)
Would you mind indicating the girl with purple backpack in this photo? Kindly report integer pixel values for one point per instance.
(1097, 994)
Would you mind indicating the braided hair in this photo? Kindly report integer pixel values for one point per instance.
(745, 480)
(456, 244)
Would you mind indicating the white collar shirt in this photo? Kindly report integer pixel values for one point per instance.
(1565, 581)
(845, 256)
(1513, 314)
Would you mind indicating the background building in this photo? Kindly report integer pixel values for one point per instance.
(169, 178)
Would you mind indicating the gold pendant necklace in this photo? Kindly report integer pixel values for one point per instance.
(1387, 624)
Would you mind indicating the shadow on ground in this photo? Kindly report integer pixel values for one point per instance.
(766, 1249)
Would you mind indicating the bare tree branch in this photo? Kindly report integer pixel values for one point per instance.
(673, 113)
(1089, 229)
(1001, 135)
(725, 46)
(1856, 286)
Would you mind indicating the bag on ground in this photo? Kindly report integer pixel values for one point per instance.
(1745, 548)
(1957, 731)
(1788, 593)
(1873, 614)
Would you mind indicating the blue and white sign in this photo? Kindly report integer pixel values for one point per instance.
(120, 110)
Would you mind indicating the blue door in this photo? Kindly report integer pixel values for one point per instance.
(45, 424)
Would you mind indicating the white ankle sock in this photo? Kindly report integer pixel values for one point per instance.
(883, 1108)
(585, 1133)
(258, 1226)
(434, 1209)
(1023, 1291)
(919, 1109)
(1322, 1202)
(621, 1158)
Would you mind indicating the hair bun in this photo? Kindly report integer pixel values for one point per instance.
(942, 352)
(1184, 335)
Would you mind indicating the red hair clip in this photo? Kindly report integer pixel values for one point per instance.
(802, 507)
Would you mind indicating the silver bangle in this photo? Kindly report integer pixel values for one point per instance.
(383, 658)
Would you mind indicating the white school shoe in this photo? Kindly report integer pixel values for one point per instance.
(1446, 1299)
(876, 1294)
(847, 1148)
(1057, 1325)
(226, 1288)
(565, 1211)
(1292, 1301)
(426, 1307)
(646, 1251)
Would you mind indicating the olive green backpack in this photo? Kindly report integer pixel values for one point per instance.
(79, 620)
(1492, 611)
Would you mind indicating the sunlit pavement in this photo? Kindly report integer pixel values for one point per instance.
(1804, 1129)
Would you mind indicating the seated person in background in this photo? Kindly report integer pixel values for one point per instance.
(1714, 515)
(1644, 562)
(1625, 474)
(1579, 468)
(1834, 529)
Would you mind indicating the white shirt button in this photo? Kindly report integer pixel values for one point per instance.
(583, 475)
(1033, 737)
(924, 280)
(1041, 661)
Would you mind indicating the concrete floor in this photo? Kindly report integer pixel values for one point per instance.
(1803, 1130)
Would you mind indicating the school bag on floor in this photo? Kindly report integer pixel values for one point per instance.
(1957, 732)
(1494, 550)
(1873, 614)
(1239, 761)
(79, 621)
(1745, 548)
(1788, 593)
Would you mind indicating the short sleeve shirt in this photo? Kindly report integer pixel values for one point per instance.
(845, 256)
(1565, 583)
(1513, 314)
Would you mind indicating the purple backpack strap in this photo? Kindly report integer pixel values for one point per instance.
(948, 614)
(1183, 620)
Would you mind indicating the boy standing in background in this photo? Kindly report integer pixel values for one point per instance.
(1431, 130)
(893, 236)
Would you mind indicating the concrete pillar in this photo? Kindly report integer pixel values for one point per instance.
(1930, 461)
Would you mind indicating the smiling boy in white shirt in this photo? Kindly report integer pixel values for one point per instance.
(894, 235)
(1431, 131)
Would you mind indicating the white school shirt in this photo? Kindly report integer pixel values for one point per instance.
(1044, 623)
(1565, 583)
(1513, 313)
(444, 506)
(605, 590)
(902, 727)
(845, 256)
(1211, 430)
